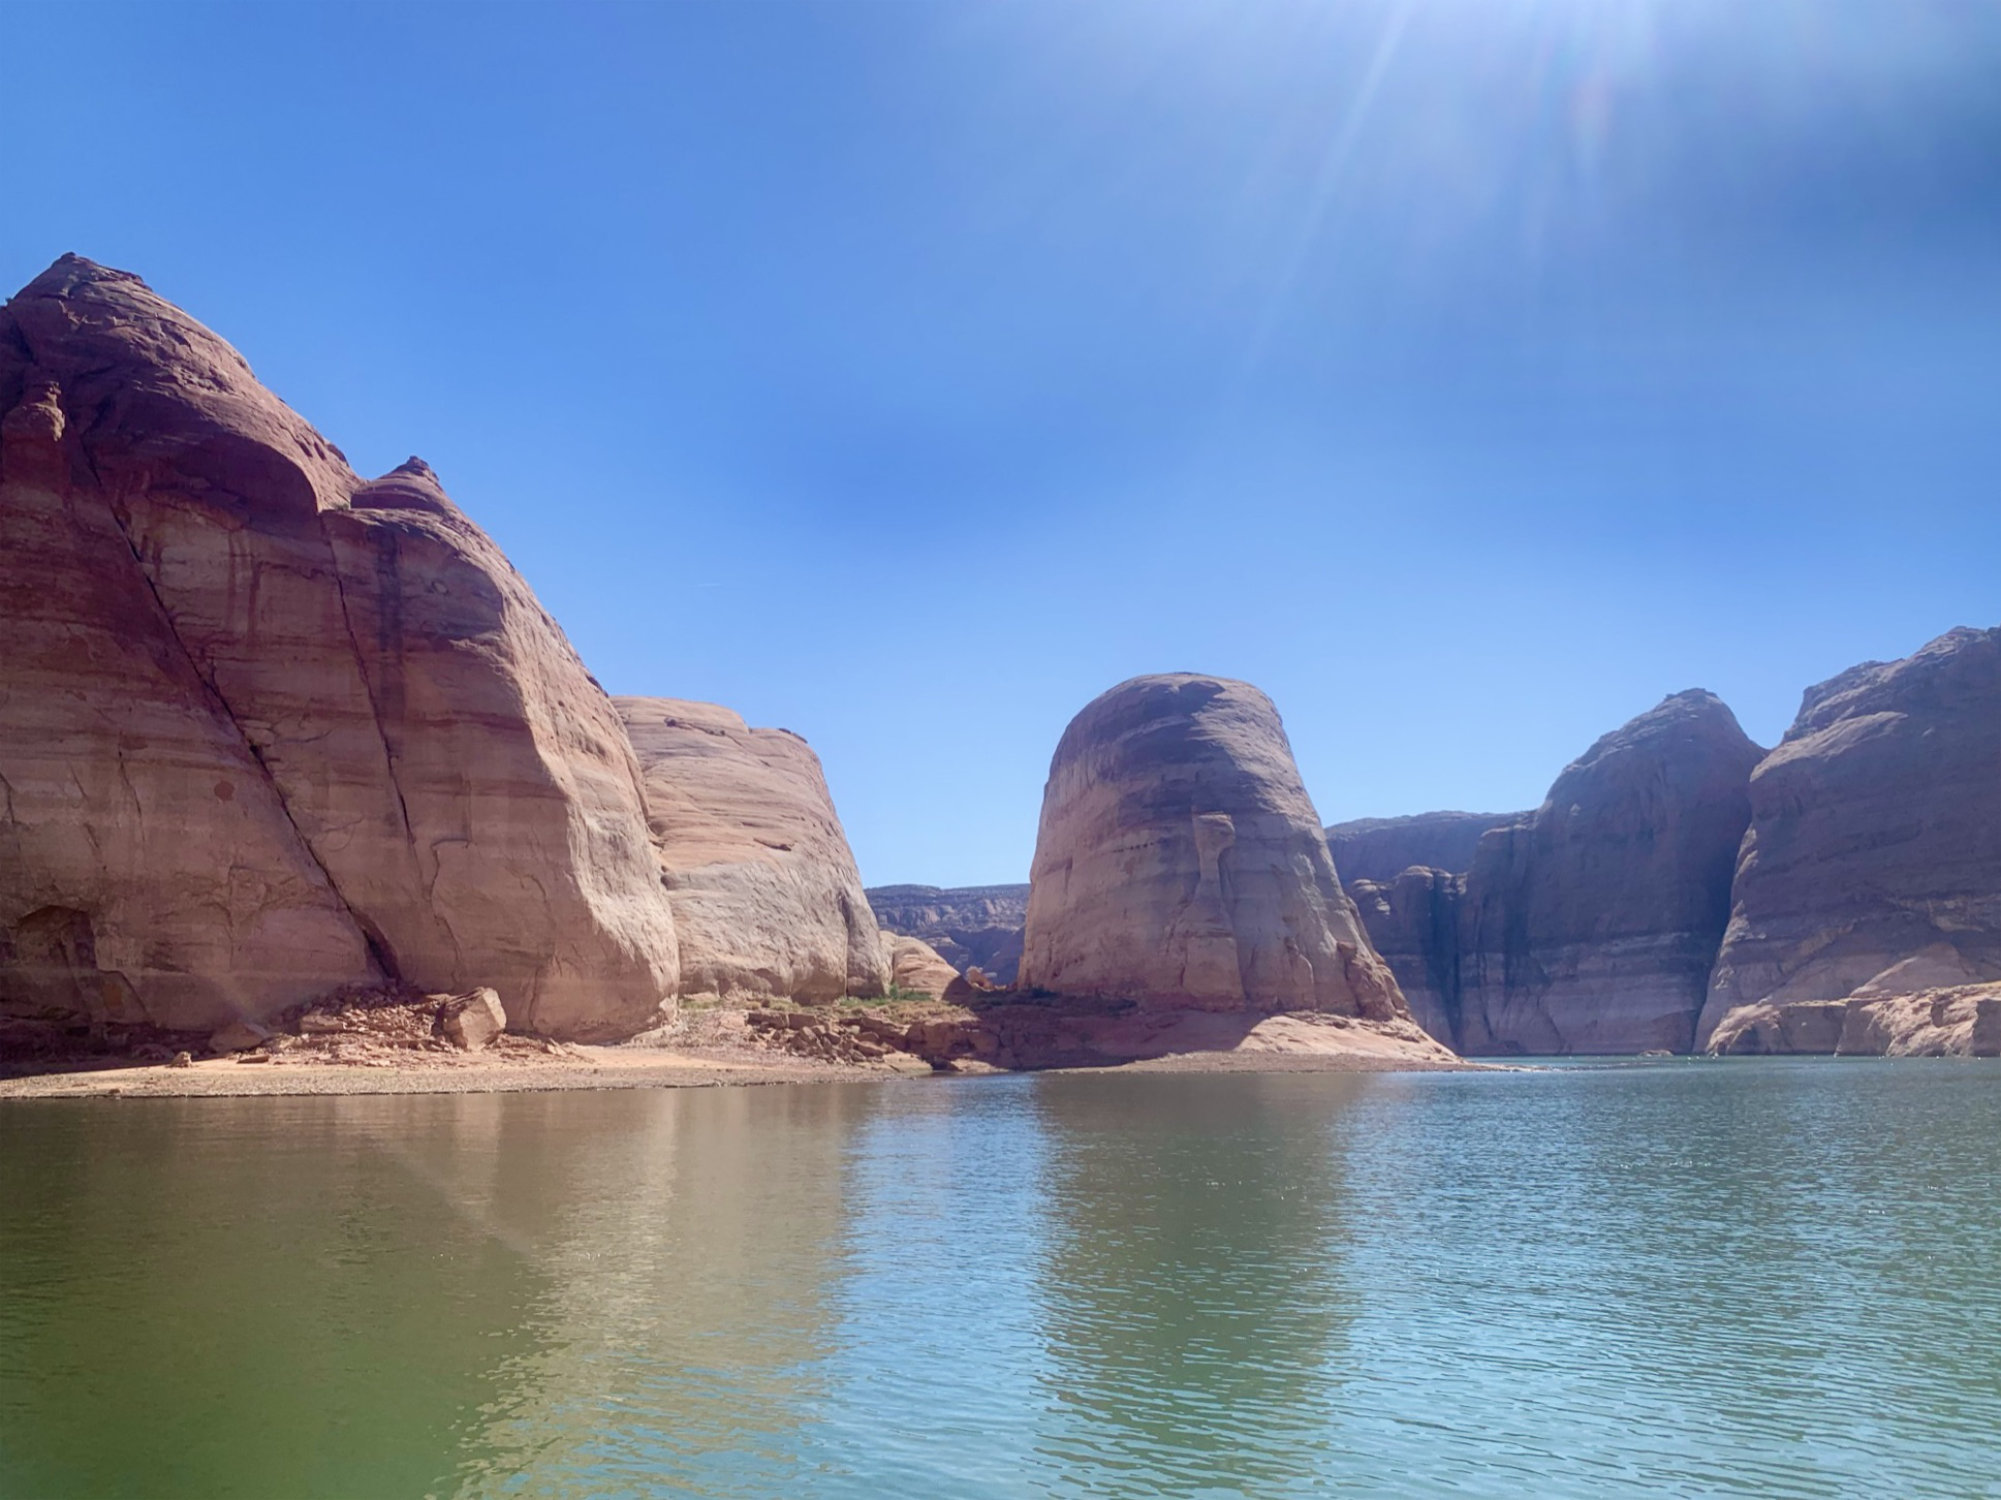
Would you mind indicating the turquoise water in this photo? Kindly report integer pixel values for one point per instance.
(1773, 1277)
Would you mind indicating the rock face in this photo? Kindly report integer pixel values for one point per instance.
(1872, 868)
(1380, 849)
(1180, 863)
(767, 900)
(1413, 920)
(266, 729)
(1958, 1021)
(975, 926)
(916, 968)
(1591, 926)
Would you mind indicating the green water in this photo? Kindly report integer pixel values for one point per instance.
(1758, 1277)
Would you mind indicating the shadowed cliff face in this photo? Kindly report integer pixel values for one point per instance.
(1381, 849)
(1589, 925)
(1872, 868)
(267, 729)
(1180, 862)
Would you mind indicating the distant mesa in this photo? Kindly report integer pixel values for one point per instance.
(1180, 863)
(975, 926)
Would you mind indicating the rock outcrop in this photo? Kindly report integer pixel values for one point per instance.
(971, 927)
(1872, 868)
(916, 968)
(1958, 1021)
(1590, 927)
(267, 729)
(1590, 924)
(1179, 863)
(767, 901)
(1413, 920)
(1380, 849)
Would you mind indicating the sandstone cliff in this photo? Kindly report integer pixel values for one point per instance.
(1381, 849)
(1180, 863)
(1591, 925)
(1955, 1021)
(266, 729)
(975, 926)
(1413, 920)
(767, 901)
(1872, 868)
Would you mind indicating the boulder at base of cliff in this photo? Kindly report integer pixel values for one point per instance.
(916, 967)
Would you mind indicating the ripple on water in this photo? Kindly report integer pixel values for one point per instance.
(1770, 1277)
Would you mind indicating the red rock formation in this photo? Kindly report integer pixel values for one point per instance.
(267, 729)
(1591, 926)
(1413, 920)
(1872, 868)
(1180, 863)
(767, 901)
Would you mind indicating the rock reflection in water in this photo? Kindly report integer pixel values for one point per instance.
(1196, 1282)
(687, 1248)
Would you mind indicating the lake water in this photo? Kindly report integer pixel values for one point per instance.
(1779, 1277)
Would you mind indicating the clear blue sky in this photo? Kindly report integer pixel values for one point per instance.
(1468, 374)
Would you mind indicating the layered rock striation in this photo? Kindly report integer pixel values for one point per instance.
(1179, 863)
(970, 927)
(1590, 924)
(767, 901)
(1871, 871)
(267, 729)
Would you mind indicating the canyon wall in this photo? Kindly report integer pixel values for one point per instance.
(1590, 924)
(1872, 868)
(267, 729)
(767, 901)
(1380, 849)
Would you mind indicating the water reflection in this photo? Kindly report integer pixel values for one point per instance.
(1196, 1282)
(687, 1247)
(236, 1298)
(1770, 1278)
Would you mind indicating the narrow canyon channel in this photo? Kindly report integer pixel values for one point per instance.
(1748, 1276)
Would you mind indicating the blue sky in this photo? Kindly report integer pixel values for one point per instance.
(1468, 374)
